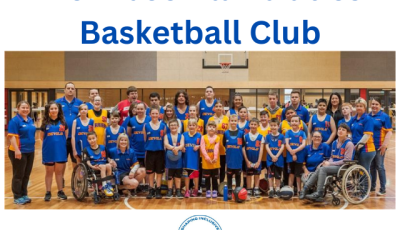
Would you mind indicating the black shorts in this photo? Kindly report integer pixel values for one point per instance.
(211, 173)
(121, 177)
(70, 151)
(235, 172)
(253, 171)
(155, 162)
(295, 168)
(263, 165)
(141, 162)
(174, 173)
(275, 172)
(54, 163)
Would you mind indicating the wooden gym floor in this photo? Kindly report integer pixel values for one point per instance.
(36, 191)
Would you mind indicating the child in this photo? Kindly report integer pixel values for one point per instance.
(295, 142)
(275, 144)
(100, 117)
(193, 115)
(243, 123)
(132, 113)
(80, 127)
(191, 157)
(210, 159)
(155, 101)
(264, 129)
(153, 133)
(174, 143)
(97, 160)
(233, 142)
(170, 115)
(113, 131)
(253, 151)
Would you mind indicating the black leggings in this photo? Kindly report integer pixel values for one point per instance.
(222, 160)
(211, 174)
(238, 174)
(22, 169)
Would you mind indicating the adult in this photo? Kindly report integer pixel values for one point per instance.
(236, 105)
(316, 153)
(70, 107)
(274, 111)
(80, 127)
(323, 122)
(155, 98)
(54, 133)
(205, 107)
(181, 103)
(100, 117)
(21, 133)
(362, 129)
(334, 108)
(347, 109)
(92, 94)
(300, 110)
(128, 167)
(342, 149)
(123, 106)
(382, 135)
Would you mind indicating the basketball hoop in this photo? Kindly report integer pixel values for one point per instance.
(225, 66)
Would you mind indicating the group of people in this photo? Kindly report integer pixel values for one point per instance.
(142, 142)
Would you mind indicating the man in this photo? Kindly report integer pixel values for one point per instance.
(92, 94)
(155, 100)
(274, 111)
(205, 107)
(123, 106)
(70, 106)
(300, 110)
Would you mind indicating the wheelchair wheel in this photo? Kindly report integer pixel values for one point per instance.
(335, 201)
(79, 182)
(96, 198)
(356, 184)
(116, 196)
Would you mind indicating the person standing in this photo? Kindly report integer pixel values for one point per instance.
(21, 133)
(274, 111)
(123, 106)
(300, 110)
(181, 103)
(334, 108)
(100, 117)
(92, 94)
(205, 107)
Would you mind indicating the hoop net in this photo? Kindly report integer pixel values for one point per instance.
(225, 66)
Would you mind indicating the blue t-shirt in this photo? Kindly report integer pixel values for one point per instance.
(233, 147)
(295, 140)
(125, 161)
(154, 138)
(70, 110)
(301, 112)
(315, 157)
(275, 143)
(382, 125)
(24, 132)
(324, 127)
(359, 127)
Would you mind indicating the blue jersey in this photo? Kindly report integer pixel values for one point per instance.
(382, 125)
(136, 139)
(233, 146)
(70, 110)
(89, 105)
(246, 128)
(97, 158)
(125, 160)
(182, 116)
(205, 111)
(344, 121)
(154, 138)
(338, 153)
(275, 143)
(295, 140)
(81, 131)
(324, 127)
(126, 122)
(301, 112)
(359, 127)
(54, 144)
(315, 157)
(160, 116)
(180, 125)
(174, 164)
(191, 158)
(24, 133)
(253, 148)
(111, 138)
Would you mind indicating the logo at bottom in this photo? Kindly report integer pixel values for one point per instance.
(200, 222)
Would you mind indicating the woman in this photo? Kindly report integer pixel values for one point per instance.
(323, 122)
(222, 122)
(181, 105)
(347, 108)
(80, 127)
(132, 113)
(382, 135)
(334, 107)
(362, 128)
(21, 133)
(236, 105)
(100, 117)
(170, 115)
(342, 145)
(54, 133)
(316, 153)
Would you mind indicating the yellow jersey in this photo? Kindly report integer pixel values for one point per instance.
(221, 128)
(277, 114)
(100, 125)
(200, 126)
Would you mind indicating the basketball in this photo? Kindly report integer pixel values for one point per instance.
(287, 192)
(264, 185)
(240, 194)
(221, 187)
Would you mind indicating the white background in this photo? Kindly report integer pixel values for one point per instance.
(346, 25)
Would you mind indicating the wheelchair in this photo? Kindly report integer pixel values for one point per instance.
(352, 181)
(85, 180)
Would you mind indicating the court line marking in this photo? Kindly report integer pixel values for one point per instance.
(346, 203)
(127, 203)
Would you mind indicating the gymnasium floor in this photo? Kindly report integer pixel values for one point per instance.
(37, 190)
